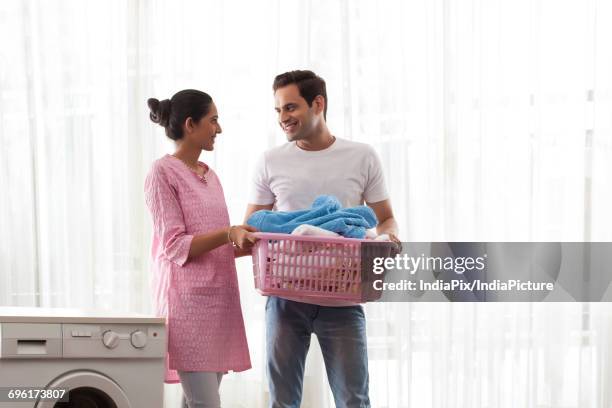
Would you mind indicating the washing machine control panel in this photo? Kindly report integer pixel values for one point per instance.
(86, 340)
(113, 340)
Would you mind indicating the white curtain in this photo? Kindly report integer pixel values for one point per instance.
(493, 120)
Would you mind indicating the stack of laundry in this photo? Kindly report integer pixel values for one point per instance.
(318, 266)
(325, 213)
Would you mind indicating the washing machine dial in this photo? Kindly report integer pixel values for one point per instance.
(110, 339)
(138, 339)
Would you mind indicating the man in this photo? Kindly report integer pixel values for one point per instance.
(289, 177)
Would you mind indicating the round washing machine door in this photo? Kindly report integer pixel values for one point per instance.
(87, 389)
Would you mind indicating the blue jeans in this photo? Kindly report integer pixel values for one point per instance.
(342, 335)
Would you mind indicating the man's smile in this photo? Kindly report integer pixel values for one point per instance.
(290, 127)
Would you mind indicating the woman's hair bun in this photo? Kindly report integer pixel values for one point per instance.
(160, 111)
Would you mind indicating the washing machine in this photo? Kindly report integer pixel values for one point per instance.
(60, 358)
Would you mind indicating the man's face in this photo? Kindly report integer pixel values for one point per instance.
(295, 117)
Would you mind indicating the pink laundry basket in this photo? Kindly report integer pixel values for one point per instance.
(310, 268)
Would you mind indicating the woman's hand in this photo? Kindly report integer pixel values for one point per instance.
(242, 236)
(238, 253)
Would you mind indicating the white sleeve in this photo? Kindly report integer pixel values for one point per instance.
(375, 189)
(260, 192)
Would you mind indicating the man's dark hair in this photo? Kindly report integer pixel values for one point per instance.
(309, 84)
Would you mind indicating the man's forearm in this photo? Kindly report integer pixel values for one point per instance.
(388, 226)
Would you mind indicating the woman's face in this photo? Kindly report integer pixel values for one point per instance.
(204, 132)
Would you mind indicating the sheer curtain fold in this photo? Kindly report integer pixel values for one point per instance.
(492, 120)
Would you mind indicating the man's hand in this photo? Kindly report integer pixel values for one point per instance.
(397, 242)
(393, 237)
(386, 221)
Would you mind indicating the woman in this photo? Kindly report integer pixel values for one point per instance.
(195, 283)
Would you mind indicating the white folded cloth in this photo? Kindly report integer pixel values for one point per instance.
(311, 230)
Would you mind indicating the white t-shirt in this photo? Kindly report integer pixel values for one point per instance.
(292, 178)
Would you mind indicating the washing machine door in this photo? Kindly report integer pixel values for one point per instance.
(87, 389)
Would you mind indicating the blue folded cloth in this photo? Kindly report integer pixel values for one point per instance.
(326, 212)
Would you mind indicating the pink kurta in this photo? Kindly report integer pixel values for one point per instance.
(199, 297)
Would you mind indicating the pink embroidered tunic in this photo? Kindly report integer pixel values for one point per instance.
(199, 297)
